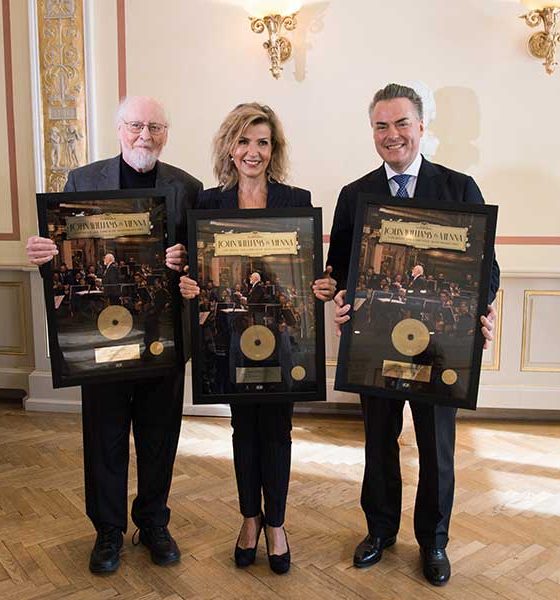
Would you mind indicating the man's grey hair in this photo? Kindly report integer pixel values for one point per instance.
(121, 109)
(394, 90)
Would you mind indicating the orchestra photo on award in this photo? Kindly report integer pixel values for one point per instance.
(418, 283)
(257, 329)
(108, 298)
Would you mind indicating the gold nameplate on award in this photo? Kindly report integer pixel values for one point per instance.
(409, 371)
(258, 375)
(108, 226)
(255, 243)
(117, 353)
(423, 235)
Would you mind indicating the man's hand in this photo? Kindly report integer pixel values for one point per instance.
(176, 257)
(488, 326)
(188, 287)
(325, 288)
(341, 311)
(40, 250)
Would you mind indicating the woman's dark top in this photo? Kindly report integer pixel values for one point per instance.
(279, 196)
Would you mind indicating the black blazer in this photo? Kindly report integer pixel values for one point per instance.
(111, 275)
(256, 294)
(435, 182)
(279, 196)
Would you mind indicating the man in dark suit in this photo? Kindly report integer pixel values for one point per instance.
(110, 279)
(418, 281)
(396, 118)
(152, 406)
(256, 297)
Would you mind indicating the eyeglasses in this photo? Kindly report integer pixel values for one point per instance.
(138, 126)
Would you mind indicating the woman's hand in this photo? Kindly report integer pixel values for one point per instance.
(188, 287)
(341, 310)
(488, 326)
(40, 250)
(325, 288)
(176, 257)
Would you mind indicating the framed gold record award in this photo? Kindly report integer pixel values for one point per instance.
(418, 283)
(110, 300)
(257, 328)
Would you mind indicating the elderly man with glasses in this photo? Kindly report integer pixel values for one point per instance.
(152, 406)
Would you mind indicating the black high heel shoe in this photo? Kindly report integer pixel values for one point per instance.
(246, 556)
(279, 563)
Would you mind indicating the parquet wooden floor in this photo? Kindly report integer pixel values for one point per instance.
(505, 529)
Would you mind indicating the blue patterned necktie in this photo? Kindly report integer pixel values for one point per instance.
(401, 181)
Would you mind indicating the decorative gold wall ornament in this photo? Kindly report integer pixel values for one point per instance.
(279, 48)
(542, 44)
(62, 84)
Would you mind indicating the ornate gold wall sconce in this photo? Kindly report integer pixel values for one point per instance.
(542, 44)
(279, 48)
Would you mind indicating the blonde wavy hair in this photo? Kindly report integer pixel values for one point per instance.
(233, 127)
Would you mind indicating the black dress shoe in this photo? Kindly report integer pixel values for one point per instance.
(105, 554)
(162, 546)
(279, 563)
(246, 556)
(370, 550)
(435, 565)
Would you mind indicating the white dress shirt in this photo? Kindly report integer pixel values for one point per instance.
(412, 170)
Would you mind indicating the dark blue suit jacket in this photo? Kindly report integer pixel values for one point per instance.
(435, 182)
(279, 196)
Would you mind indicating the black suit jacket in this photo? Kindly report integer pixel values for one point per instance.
(435, 182)
(279, 196)
(418, 284)
(111, 275)
(256, 294)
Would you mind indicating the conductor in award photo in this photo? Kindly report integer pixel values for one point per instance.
(250, 164)
(396, 118)
(152, 407)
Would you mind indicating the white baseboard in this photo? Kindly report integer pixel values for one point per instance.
(43, 397)
(53, 405)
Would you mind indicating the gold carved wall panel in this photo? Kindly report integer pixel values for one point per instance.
(62, 80)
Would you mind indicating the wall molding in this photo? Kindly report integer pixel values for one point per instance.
(121, 47)
(528, 314)
(20, 350)
(15, 234)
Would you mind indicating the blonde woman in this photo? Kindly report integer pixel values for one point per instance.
(250, 164)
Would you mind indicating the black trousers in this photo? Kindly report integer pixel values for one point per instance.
(262, 451)
(154, 408)
(434, 427)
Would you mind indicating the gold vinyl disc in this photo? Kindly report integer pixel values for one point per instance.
(410, 337)
(298, 373)
(114, 322)
(449, 377)
(156, 348)
(257, 342)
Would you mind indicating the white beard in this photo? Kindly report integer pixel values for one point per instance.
(142, 159)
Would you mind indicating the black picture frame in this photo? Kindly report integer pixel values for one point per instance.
(111, 325)
(420, 341)
(227, 362)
